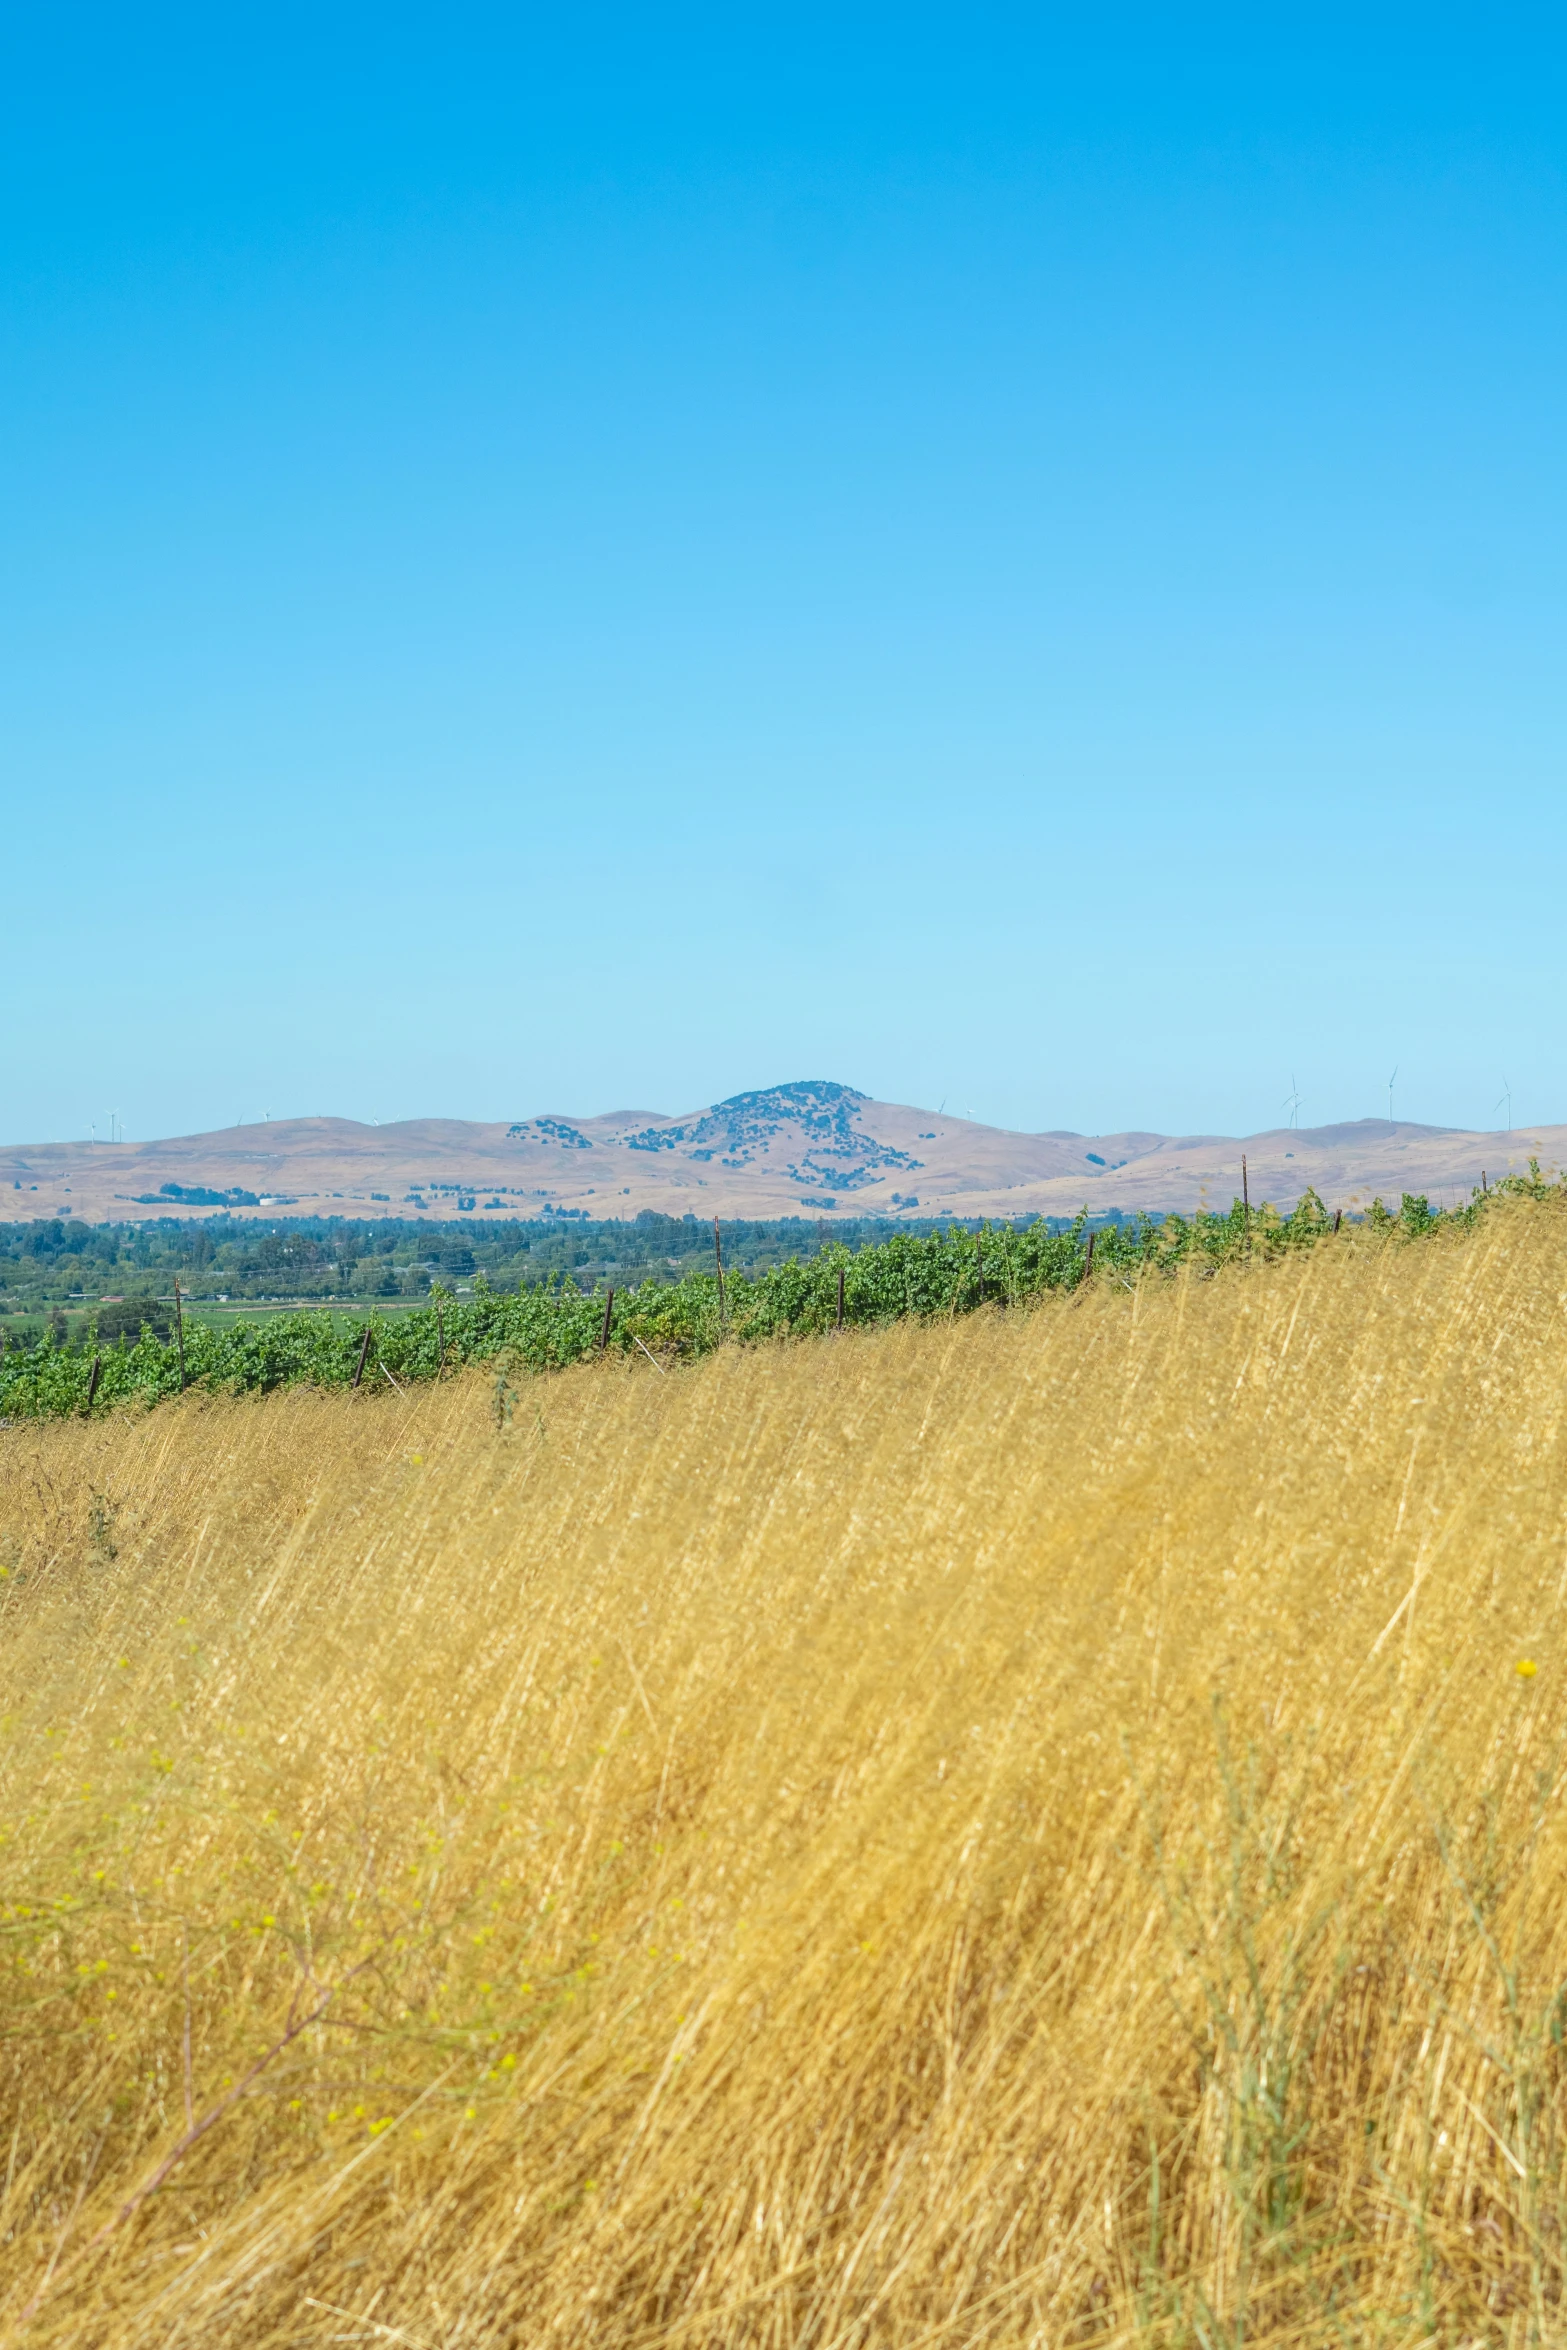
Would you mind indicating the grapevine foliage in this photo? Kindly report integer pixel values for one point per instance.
(551, 1324)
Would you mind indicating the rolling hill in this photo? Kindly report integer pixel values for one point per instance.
(812, 1148)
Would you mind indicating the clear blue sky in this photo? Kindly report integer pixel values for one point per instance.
(585, 558)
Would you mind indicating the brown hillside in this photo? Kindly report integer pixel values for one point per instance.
(809, 1149)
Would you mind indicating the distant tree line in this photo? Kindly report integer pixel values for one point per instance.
(60, 1269)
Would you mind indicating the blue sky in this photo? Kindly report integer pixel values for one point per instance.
(576, 559)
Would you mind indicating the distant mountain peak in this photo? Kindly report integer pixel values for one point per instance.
(803, 1096)
(824, 1114)
(803, 1147)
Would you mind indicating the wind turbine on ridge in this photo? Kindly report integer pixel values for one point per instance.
(1291, 1102)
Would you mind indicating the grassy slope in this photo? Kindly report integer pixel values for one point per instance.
(1026, 1830)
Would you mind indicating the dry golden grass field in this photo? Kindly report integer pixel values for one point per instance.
(1043, 1830)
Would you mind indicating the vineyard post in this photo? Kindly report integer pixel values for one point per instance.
(840, 1297)
(718, 1259)
(1338, 1218)
(364, 1351)
(92, 1379)
(179, 1330)
(979, 1265)
(1245, 1202)
(609, 1308)
(1484, 1186)
(1088, 1261)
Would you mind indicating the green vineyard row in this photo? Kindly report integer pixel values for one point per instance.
(552, 1324)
